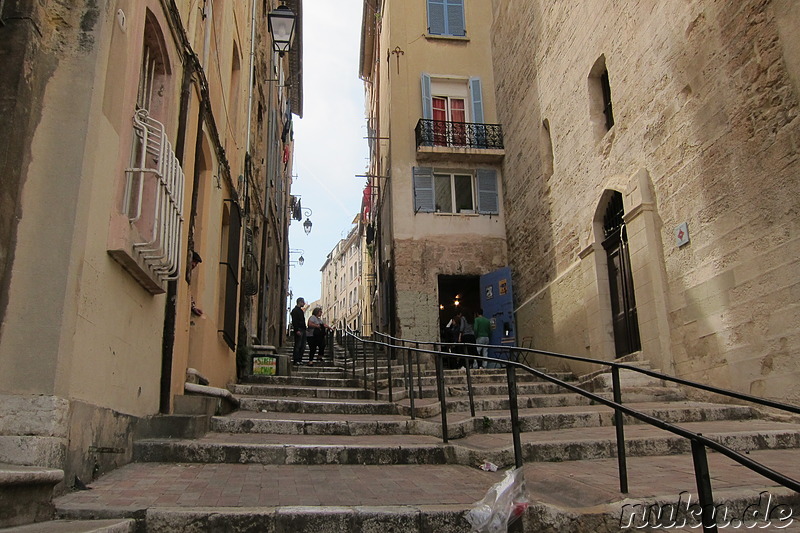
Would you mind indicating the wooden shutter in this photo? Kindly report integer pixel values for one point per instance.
(455, 18)
(436, 17)
(427, 101)
(231, 266)
(488, 202)
(423, 190)
(477, 100)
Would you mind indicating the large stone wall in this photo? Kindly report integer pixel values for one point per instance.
(705, 98)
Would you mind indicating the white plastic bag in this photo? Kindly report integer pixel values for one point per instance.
(504, 502)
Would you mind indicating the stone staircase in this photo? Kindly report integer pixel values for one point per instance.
(316, 451)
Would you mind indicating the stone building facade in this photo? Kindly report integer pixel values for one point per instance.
(651, 183)
(134, 133)
(342, 284)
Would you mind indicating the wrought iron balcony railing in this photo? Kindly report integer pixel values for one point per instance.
(459, 134)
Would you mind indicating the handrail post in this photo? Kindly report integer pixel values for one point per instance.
(419, 372)
(703, 480)
(511, 376)
(375, 361)
(620, 428)
(364, 356)
(411, 383)
(352, 357)
(441, 390)
(470, 392)
(389, 354)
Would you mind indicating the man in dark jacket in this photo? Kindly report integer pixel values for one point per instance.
(299, 331)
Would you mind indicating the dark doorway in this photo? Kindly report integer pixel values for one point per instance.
(620, 279)
(462, 289)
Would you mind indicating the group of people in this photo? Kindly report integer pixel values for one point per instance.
(462, 331)
(314, 332)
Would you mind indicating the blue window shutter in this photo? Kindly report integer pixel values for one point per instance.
(436, 17)
(427, 101)
(477, 100)
(488, 201)
(455, 18)
(423, 190)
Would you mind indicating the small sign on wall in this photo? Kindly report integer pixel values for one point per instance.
(264, 366)
(682, 235)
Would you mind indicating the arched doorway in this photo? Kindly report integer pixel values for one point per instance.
(620, 278)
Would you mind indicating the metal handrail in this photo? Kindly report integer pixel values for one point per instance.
(699, 443)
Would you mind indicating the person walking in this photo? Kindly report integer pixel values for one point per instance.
(468, 337)
(483, 329)
(318, 331)
(456, 329)
(299, 331)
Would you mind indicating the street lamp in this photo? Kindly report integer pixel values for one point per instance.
(301, 259)
(307, 224)
(281, 25)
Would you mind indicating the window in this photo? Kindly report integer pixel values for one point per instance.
(455, 192)
(445, 99)
(452, 113)
(601, 111)
(152, 197)
(446, 17)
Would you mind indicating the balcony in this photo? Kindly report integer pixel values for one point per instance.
(458, 141)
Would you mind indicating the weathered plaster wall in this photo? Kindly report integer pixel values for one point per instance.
(706, 105)
(419, 262)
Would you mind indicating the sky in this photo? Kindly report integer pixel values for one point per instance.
(330, 145)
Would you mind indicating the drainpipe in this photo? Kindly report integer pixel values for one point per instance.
(208, 15)
(170, 306)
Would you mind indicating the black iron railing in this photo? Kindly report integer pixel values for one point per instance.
(459, 134)
(357, 345)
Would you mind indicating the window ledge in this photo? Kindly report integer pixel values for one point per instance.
(433, 37)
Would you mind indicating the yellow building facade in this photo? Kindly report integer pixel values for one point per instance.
(435, 161)
(140, 133)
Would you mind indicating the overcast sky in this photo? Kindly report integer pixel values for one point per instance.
(330, 148)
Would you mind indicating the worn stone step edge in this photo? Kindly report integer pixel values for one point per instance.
(162, 450)
(77, 526)
(317, 406)
(501, 402)
(495, 423)
(289, 519)
(538, 517)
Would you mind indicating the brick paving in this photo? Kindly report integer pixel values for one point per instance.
(145, 485)
(573, 484)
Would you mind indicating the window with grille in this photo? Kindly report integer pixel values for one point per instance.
(154, 188)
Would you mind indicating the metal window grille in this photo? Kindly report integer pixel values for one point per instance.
(155, 184)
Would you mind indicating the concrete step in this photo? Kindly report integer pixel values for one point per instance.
(77, 526)
(286, 391)
(293, 381)
(461, 424)
(538, 446)
(429, 407)
(478, 377)
(568, 497)
(294, 449)
(26, 493)
(318, 406)
(641, 440)
(259, 498)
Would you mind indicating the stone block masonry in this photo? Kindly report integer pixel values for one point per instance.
(705, 102)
